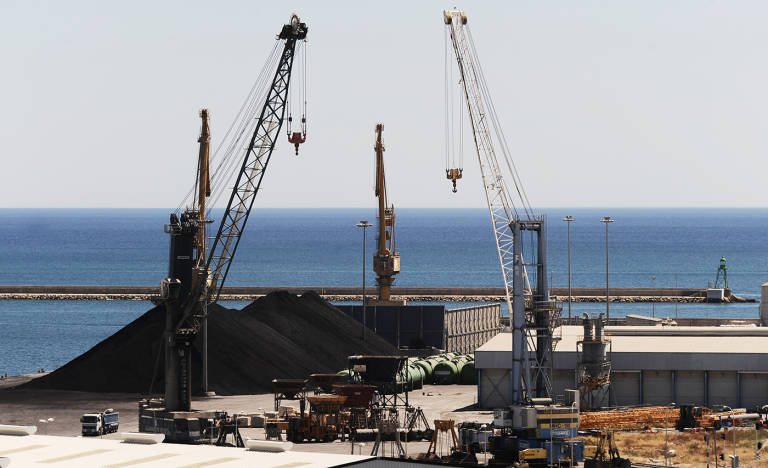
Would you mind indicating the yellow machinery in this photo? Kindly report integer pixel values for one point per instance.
(442, 426)
(321, 424)
(533, 454)
(386, 261)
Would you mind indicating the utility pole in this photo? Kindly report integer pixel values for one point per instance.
(606, 220)
(569, 219)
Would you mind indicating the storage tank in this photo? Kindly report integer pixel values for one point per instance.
(594, 352)
(418, 377)
(468, 375)
(426, 368)
(459, 363)
(445, 373)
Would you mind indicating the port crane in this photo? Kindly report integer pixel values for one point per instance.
(532, 430)
(197, 273)
(511, 215)
(386, 261)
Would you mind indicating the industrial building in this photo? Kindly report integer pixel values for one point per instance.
(417, 327)
(657, 365)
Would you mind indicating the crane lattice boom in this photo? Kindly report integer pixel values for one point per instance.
(510, 211)
(247, 183)
(192, 284)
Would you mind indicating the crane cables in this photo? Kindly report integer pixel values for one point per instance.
(226, 156)
(454, 115)
(297, 94)
(472, 62)
(501, 139)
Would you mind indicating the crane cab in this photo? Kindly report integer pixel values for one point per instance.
(453, 175)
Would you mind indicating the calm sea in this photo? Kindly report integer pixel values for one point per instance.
(301, 247)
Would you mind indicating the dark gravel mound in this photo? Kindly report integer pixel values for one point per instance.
(280, 335)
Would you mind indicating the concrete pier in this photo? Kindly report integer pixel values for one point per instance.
(444, 294)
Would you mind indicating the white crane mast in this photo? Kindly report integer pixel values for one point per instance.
(503, 211)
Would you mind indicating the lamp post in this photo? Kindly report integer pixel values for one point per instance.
(364, 224)
(573, 406)
(653, 299)
(666, 434)
(569, 219)
(606, 220)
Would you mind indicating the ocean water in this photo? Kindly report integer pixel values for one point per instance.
(301, 247)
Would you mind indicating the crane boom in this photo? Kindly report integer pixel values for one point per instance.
(247, 183)
(192, 284)
(386, 261)
(254, 163)
(508, 219)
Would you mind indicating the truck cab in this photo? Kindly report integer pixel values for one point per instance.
(92, 424)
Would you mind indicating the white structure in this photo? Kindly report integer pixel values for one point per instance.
(76, 452)
(651, 365)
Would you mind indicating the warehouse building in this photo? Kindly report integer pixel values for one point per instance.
(657, 365)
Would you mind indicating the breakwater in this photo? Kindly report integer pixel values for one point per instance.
(352, 293)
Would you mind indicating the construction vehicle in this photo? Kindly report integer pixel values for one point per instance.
(197, 272)
(386, 261)
(321, 424)
(101, 423)
(532, 421)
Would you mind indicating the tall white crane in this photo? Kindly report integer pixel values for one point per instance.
(510, 213)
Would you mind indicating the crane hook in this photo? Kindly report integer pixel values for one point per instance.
(453, 175)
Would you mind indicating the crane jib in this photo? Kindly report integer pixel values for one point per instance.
(247, 184)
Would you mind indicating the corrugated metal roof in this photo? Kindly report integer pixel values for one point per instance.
(70, 452)
(659, 339)
(661, 348)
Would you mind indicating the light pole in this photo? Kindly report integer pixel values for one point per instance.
(573, 406)
(606, 220)
(653, 298)
(666, 434)
(364, 224)
(569, 219)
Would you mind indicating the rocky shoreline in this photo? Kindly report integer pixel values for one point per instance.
(358, 297)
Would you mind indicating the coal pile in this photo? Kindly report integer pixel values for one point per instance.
(280, 335)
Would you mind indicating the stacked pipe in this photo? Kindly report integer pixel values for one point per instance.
(439, 369)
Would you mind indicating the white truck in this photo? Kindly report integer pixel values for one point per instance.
(100, 423)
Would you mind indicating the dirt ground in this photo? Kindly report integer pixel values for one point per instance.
(689, 449)
(28, 406)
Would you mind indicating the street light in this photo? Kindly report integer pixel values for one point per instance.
(569, 219)
(606, 220)
(364, 224)
(653, 279)
(666, 434)
(573, 406)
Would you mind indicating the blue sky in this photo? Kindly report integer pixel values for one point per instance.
(651, 103)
